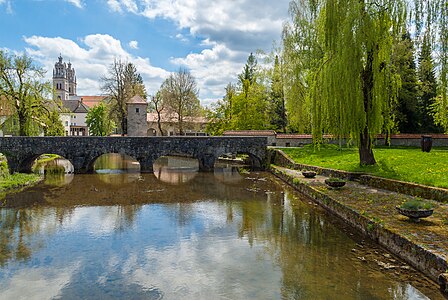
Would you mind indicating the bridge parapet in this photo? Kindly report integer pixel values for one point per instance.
(83, 151)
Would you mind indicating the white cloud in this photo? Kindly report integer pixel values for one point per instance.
(243, 24)
(91, 58)
(114, 5)
(181, 37)
(76, 3)
(230, 30)
(133, 44)
(8, 6)
(213, 69)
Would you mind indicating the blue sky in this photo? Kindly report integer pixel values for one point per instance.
(209, 37)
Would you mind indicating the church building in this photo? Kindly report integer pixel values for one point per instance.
(64, 84)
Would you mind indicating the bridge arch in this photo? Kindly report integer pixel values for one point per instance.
(113, 161)
(25, 165)
(82, 151)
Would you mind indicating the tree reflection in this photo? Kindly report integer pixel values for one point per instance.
(17, 229)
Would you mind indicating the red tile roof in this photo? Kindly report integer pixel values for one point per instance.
(137, 100)
(91, 101)
(250, 132)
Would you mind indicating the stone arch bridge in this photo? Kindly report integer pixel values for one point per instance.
(82, 152)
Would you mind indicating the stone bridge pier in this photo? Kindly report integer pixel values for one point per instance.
(82, 152)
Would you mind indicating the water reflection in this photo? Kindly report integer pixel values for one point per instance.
(175, 169)
(58, 171)
(227, 172)
(209, 239)
(115, 163)
(56, 165)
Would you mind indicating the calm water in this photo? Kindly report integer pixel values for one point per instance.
(179, 234)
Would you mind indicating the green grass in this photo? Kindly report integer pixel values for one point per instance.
(402, 163)
(9, 182)
(17, 180)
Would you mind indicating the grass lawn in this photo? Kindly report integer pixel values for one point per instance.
(402, 163)
(17, 180)
(10, 182)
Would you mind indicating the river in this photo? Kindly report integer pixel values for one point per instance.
(181, 234)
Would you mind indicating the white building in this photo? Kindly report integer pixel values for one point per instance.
(75, 110)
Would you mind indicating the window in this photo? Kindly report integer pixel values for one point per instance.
(66, 123)
(137, 110)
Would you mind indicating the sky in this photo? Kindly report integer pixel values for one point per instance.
(211, 38)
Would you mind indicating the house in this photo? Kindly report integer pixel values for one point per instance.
(75, 107)
(193, 126)
(76, 110)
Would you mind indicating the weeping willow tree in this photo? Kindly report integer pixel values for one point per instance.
(349, 82)
(338, 57)
(431, 22)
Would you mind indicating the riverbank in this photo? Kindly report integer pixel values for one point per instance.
(10, 183)
(371, 210)
(408, 164)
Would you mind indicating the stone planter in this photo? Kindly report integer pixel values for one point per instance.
(415, 215)
(334, 184)
(309, 174)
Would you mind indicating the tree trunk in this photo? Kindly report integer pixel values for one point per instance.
(365, 149)
(124, 126)
(22, 124)
(159, 123)
(365, 145)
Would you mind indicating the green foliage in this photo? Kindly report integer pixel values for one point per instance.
(53, 125)
(4, 170)
(18, 180)
(179, 94)
(277, 109)
(406, 110)
(416, 204)
(98, 121)
(246, 109)
(335, 179)
(24, 92)
(406, 163)
(121, 83)
(340, 57)
(428, 88)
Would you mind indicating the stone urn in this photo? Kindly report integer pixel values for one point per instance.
(309, 174)
(413, 214)
(335, 182)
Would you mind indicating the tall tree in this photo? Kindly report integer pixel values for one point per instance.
(157, 104)
(121, 83)
(352, 85)
(302, 55)
(249, 108)
(98, 121)
(428, 88)
(430, 18)
(53, 124)
(180, 94)
(403, 59)
(220, 116)
(21, 84)
(277, 98)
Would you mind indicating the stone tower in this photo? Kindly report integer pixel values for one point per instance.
(136, 121)
(64, 79)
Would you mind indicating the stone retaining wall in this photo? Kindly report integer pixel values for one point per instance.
(425, 261)
(279, 158)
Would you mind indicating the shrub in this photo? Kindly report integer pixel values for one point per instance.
(416, 204)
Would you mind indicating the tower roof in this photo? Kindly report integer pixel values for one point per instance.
(137, 100)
